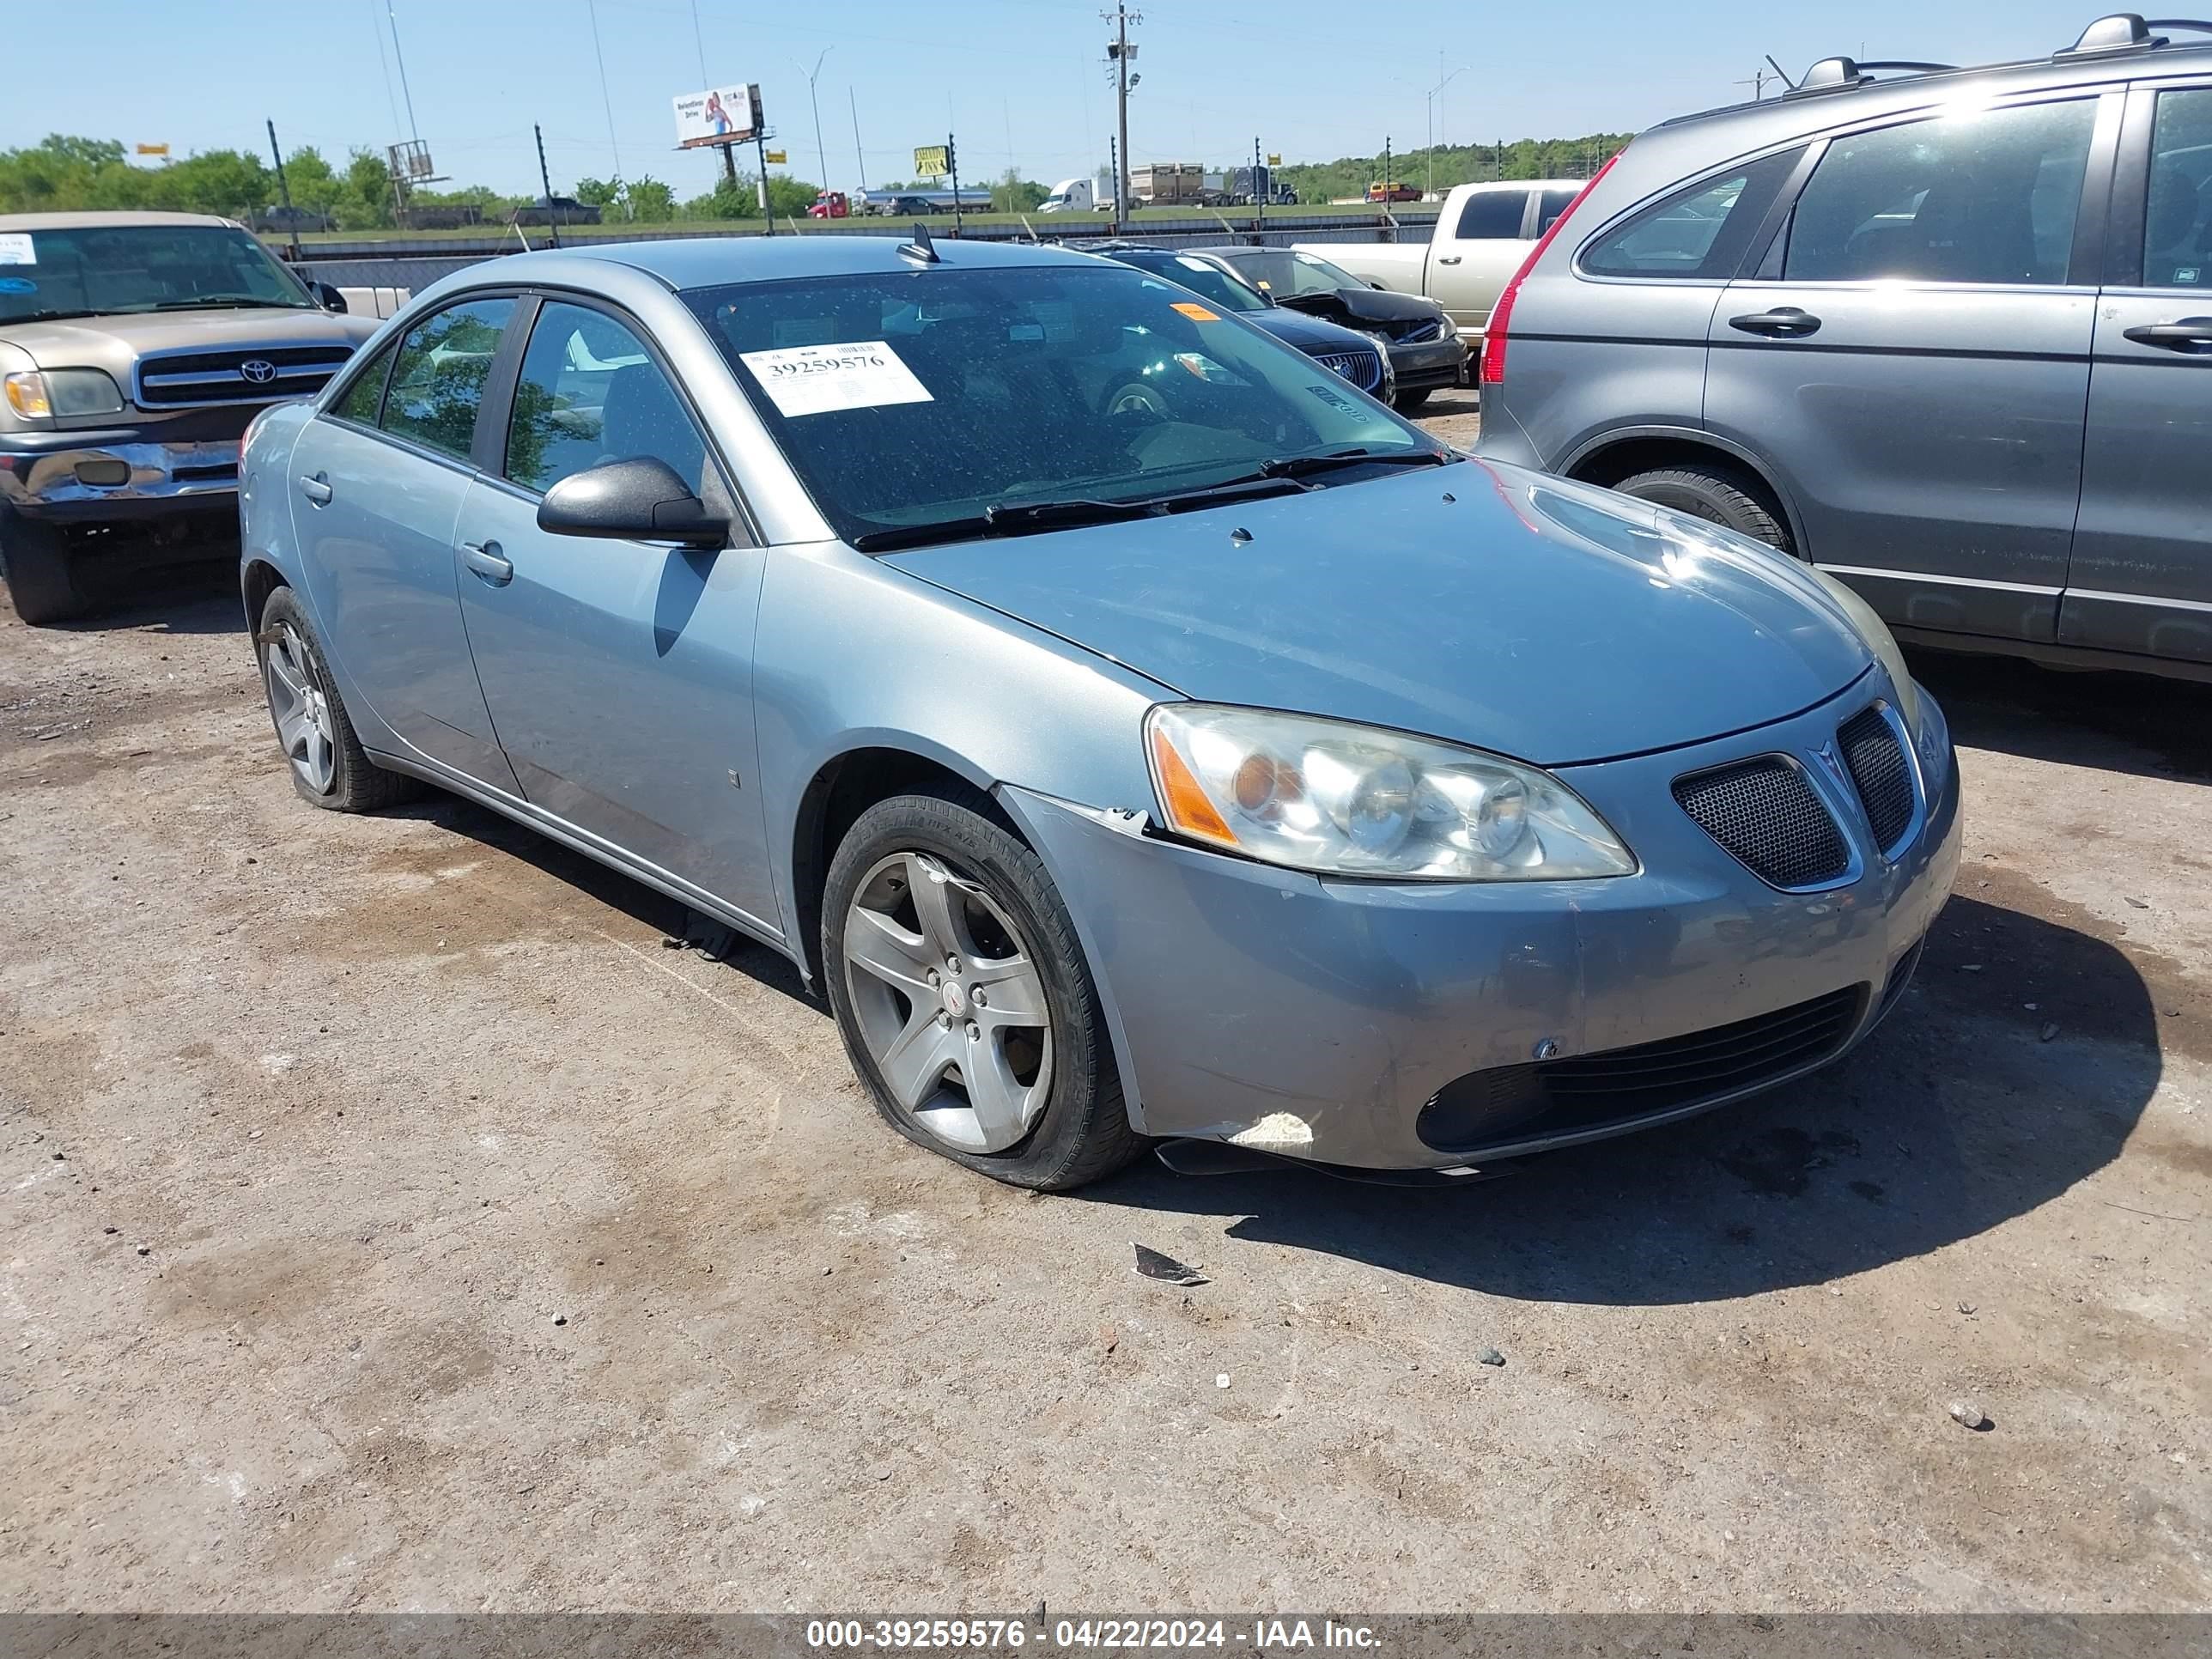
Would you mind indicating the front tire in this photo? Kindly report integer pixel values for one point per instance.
(329, 767)
(1406, 402)
(41, 580)
(964, 998)
(1718, 495)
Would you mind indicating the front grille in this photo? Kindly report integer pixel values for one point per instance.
(1416, 331)
(1561, 1097)
(1363, 368)
(1876, 760)
(1764, 813)
(212, 377)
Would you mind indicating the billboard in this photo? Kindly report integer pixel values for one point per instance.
(933, 161)
(719, 115)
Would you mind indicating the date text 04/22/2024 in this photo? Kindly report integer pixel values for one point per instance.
(1087, 1635)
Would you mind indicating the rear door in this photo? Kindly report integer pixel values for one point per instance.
(1910, 360)
(377, 482)
(2142, 574)
(1485, 243)
(619, 673)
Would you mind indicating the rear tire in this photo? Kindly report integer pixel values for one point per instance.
(1406, 402)
(329, 767)
(1718, 495)
(888, 1012)
(41, 581)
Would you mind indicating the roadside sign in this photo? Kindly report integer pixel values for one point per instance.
(933, 161)
(719, 115)
(1275, 161)
(153, 150)
(776, 158)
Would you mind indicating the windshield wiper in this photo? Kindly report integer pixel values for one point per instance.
(42, 316)
(1026, 518)
(1299, 466)
(211, 301)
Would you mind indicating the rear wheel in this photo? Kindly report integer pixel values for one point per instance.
(329, 767)
(1406, 402)
(41, 582)
(963, 999)
(1719, 494)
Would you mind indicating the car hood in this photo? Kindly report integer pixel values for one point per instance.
(1365, 305)
(116, 342)
(1307, 334)
(1548, 620)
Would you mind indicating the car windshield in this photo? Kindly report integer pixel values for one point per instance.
(1201, 277)
(108, 270)
(1284, 273)
(933, 399)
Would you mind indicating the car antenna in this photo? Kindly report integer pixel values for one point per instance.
(1784, 73)
(921, 247)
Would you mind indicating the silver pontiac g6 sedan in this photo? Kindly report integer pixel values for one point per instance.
(1134, 729)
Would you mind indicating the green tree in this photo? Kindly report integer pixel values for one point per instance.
(366, 203)
(789, 197)
(648, 199)
(599, 192)
(314, 185)
(1015, 194)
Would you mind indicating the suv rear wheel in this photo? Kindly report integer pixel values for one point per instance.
(1718, 495)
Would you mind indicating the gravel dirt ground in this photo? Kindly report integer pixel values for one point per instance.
(396, 1219)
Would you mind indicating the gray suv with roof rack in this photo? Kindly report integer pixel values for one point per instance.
(1946, 333)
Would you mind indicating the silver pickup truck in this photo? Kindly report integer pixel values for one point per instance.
(1483, 233)
(134, 350)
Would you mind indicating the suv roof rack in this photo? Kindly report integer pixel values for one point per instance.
(1835, 74)
(2128, 31)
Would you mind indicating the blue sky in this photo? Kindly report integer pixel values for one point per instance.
(1020, 80)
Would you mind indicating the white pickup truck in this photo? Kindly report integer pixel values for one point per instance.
(1483, 233)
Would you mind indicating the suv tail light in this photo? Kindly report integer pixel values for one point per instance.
(1501, 314)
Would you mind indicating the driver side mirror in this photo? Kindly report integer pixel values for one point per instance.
(639, 499)
(331, 298)
(1379, 285)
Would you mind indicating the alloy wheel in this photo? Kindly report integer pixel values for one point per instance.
(302, 710)
(949, 1003)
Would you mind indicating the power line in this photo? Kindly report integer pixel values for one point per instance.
(393, 15)
(606, 97)
(384, 63)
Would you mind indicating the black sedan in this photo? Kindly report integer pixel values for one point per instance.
(1351, 353)
(1425, 347)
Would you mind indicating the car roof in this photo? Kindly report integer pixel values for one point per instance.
(104, 220)
(718, 261)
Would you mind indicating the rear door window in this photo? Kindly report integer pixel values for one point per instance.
(2178, 225)
(1551, 204)
(439, 380)
(1492, 215)
(1989, 196)
(365, 397)
(1702, 230)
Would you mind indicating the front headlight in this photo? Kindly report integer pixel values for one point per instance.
(39, 394)
(1343, 799)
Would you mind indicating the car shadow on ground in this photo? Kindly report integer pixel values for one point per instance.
(196, 596)
(1953, 1118)
(679, 925)
(2132, 723)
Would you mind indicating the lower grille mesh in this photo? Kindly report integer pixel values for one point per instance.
(1764, 813)
(1876, 760)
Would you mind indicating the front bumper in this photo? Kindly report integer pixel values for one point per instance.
(1430, 364)
(1316, 1018)
(186, 462)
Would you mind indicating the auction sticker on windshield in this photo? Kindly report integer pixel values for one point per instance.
(1196, 313)
(15, 248)
(819, 379)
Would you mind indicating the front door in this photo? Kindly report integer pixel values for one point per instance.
(378, 484)
(1912, 362)
(619, 674)
(2142, 576)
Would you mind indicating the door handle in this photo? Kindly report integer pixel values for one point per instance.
(1448, 258)
(1784, 322)
(487, 562)
(316, 489)
(2183, 334)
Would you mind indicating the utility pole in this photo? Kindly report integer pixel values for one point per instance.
(1757, 81)
(546, 183)
(1261, 190)
(1386, 172)
(284, 191)
(1120, 51)
(952, 160)
(859, 155)
(760, 151)
(821, 156)
(1113, 162)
